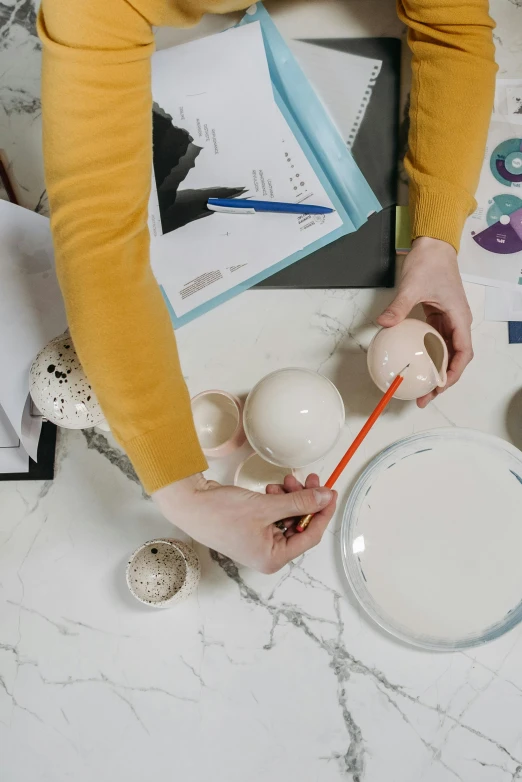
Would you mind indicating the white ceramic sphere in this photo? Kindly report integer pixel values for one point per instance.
(59, 387)
(293, 417)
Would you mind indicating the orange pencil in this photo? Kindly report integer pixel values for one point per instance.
(305, 521)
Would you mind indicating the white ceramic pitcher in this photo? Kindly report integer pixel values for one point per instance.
(415, 343)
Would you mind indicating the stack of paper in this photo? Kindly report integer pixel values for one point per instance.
(491, 249)
(503, 304)
(244, 121)
(31, 314)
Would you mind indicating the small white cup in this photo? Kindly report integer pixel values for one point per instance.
(218, 418)
(163, 572)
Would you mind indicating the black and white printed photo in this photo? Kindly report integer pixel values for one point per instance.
(174, 155)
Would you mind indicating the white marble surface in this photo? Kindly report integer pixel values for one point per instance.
(256, 678)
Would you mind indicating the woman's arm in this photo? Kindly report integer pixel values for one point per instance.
(98, 161)
(97, 144)
(453, 84)
(451, 102)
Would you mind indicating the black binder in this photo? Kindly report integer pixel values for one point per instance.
(366, 258)
(43, 469)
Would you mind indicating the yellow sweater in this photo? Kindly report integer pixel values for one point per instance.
(97, 148)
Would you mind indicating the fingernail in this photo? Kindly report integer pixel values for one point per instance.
(323, 497)
(387, 314)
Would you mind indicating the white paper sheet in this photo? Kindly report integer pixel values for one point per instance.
(342, 80)
(496, 225)
(503, 304)
(31, 311)
(13, 457)
(508, 100)
(239, 143)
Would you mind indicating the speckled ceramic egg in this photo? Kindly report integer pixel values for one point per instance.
(59, 388)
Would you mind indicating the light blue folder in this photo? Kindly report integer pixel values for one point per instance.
(324, 147)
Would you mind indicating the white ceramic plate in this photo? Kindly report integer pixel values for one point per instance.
(432, 538)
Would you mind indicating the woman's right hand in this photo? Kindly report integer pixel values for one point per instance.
(241, 523)
(431, 277)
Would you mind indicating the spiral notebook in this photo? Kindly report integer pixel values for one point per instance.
(365, 258)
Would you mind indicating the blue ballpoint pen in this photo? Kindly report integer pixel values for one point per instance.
(247, 206)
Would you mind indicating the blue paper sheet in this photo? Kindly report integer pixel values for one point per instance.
(515, 332)
(302, 107)
(324, 147)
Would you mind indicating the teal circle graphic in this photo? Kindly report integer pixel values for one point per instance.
(508, 158)
(514, 163)
(504, 204)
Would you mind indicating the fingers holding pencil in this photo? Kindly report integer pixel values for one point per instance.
(305, 521)
(290, 485)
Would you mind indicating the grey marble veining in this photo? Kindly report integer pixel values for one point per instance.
(100, 443)
(20, 106)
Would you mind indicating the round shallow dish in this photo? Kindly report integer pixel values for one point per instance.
(218, 418)
(163, 572)
(255, 473)
(432, 538)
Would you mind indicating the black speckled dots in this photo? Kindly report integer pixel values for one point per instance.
(163, 572)
(59, 387)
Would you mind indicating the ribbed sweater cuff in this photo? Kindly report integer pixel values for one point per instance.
(166, 455)
(439, 215)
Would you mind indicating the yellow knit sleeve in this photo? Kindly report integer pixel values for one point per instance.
(97, 150)
(453, 72)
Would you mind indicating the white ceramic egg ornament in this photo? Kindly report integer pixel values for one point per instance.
(293, 417)
(60, 390)
(415, 343)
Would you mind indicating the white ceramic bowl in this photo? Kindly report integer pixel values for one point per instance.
(218, 421)
(163, 572)
(59, 388)
(293, 417)
(255, 473)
